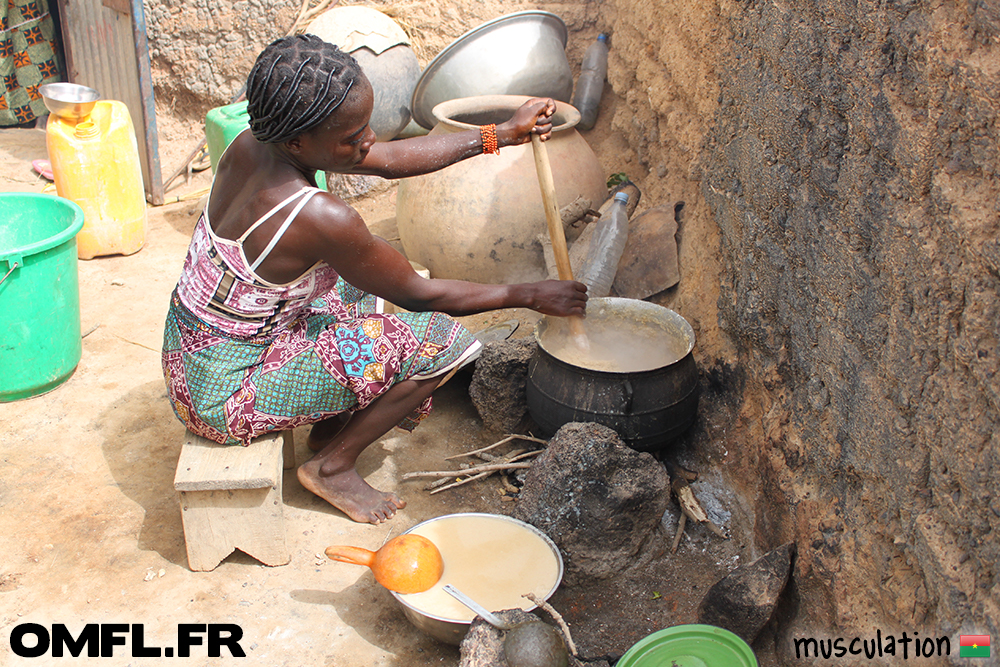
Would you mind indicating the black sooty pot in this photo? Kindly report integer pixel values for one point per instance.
(648, 408)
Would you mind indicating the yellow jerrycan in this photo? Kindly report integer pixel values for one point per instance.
(95, 163)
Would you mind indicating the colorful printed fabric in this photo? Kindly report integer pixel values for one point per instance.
(27, 59)
(322, 348)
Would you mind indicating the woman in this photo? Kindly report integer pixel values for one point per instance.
(275, 320)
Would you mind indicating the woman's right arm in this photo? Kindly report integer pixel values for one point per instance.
(372, 265)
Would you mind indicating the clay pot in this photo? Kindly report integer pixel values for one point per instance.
(383, 50)
(479, 219)
(393, 74)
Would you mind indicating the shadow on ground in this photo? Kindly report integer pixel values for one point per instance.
(141, 443)
(376, 616)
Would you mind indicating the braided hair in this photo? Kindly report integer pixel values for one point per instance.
(295, 84)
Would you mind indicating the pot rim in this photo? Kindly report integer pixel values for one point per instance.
(524, 524)
(443, 111)
(618, 302)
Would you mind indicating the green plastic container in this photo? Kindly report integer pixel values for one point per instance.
(222, 124)
(690, 646)
(40, 343)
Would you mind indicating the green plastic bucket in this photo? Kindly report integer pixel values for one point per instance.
(40, 342)
(690, 646)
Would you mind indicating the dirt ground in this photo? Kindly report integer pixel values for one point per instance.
(92, 524)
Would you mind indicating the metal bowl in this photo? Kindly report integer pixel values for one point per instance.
(523, 53)
(70, 101)
(450, 630)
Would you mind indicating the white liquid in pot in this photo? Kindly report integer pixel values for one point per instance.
(492, 560)
(616, 346)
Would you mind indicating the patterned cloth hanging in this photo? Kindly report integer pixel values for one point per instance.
(28, 59)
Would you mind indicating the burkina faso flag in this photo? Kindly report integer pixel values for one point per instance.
(974, 646)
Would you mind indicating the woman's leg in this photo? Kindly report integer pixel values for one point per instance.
(323, 432)
(331, 474)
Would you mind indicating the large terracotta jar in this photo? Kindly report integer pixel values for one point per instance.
(480, 219)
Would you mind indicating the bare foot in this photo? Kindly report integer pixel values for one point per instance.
(351, 494)
(323, 432)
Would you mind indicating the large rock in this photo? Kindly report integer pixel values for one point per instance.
(598, 499)
(497, 388)
(743, 600)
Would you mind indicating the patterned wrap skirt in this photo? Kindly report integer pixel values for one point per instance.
(231, 390)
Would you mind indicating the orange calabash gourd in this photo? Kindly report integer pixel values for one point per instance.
(404, 564)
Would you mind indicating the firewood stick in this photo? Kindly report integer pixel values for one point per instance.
(543, 604)
(679, 533)
(473, 470)
(691, 507)
(497, 444)
(460, 482)
(508, 486)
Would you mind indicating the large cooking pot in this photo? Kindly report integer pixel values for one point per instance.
(648, 407)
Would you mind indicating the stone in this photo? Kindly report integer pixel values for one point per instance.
(497, 388)
(483, 644)
(743, 601)
(598, 499)
(649, 261)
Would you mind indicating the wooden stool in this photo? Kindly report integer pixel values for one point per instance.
(231, 499)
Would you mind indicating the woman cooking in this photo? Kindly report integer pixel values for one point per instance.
(276, 319)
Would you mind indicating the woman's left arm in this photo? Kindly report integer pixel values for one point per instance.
(422, 155)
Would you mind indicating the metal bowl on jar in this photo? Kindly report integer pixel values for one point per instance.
(523, 53)
(492, 558)
(69, 100)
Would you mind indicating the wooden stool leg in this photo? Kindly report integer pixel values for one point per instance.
(288, 449)
(216, 523)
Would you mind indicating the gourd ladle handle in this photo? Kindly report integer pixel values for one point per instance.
(487, 615)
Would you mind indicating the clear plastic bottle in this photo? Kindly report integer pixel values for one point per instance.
(590, 85)
(606, 247)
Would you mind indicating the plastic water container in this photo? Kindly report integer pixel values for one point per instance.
(95, 163)
(39, 293)
(590, 85)
(223, 124)
(606, 247)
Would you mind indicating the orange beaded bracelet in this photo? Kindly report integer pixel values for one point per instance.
(489, 134)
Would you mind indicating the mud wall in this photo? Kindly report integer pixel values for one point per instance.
(844, 154)
(202, 50)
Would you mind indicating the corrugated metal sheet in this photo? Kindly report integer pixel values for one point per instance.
(106, 49)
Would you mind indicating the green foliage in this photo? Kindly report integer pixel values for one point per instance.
(617, 179)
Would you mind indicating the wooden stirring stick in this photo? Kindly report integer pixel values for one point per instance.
(556, 233)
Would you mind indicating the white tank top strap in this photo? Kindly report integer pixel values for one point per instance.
(305, 194)
(267, 216)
